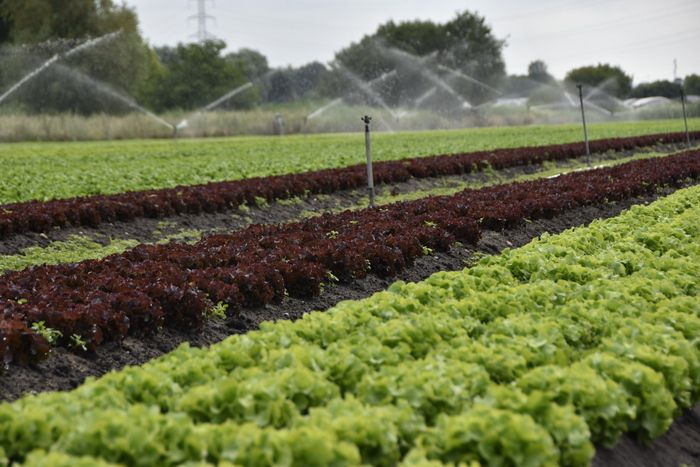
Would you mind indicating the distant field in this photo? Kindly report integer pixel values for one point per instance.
(45, 171)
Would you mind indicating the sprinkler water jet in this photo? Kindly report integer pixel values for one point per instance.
(33, 74)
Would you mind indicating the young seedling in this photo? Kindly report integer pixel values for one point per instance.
(51, 335)
(332, 277)
(261, 202)
(219, 310)
(78, 342)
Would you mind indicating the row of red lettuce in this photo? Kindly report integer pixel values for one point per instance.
(151, 286)
(91, 211)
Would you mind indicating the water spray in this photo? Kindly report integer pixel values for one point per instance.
(599, 91)
(685, 116)
(180, 126)
(366, 87)
(368, 151)
(228, 96)
(85, 45)
(446, 87)
(106, 89)
(418, 64)
(585, 130)
(184, 123)
(321, 110)
(29, 77)
(429, 93)
(278, 124)
(92, 43)
(470, 79)
(569, 99)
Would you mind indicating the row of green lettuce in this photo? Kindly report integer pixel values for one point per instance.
(530, 358)
(43, 171)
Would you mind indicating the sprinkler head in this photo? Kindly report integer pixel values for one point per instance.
(366, 119)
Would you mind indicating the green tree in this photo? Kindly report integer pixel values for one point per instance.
(36, 21)
(519, 85)
(4, 25)
(537, 71)
(280, 87)
(692, 84)
(613, 78)
(253, 63)
(148, 90)
(464, 44)
(662, 88)
(47, 27)
(307, 79)
(195, 75)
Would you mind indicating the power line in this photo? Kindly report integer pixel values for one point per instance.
(557, 8)
(650, 16)
(646, 44)
(202, 19)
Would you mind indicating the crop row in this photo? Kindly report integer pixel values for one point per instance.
(174, 285)
(529, 358)
(36, 216)
(57, 171)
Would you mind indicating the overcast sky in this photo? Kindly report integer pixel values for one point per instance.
(642, 36)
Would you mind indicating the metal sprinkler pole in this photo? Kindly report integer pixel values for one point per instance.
(685, 117)
(585, 130)
(368, 152)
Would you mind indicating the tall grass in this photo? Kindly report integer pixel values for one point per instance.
(18, 126)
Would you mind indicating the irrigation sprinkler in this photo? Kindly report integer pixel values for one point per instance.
(585, 130)
(685, 116)
(278, 125)
(180, 126)
(368, 151)
(85, 45)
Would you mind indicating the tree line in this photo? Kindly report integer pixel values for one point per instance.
(189, 76)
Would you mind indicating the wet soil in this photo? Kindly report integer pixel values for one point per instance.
(680, 446)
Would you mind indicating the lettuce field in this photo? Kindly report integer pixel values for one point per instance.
(250, 310)
(45, 171)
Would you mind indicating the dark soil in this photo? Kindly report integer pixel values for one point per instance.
(678, 447)
(145, 230)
